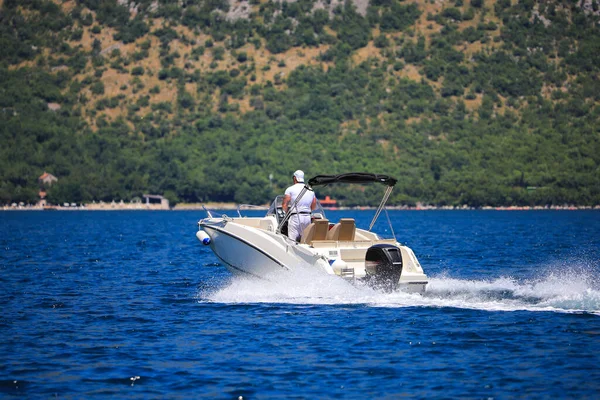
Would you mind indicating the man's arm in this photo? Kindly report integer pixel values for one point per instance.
(313, 205)
(286, 200)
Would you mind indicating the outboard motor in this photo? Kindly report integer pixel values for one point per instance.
(383, 266)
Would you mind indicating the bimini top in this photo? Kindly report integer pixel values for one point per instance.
(352, 177)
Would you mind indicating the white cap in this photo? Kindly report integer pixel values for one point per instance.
(299, 176)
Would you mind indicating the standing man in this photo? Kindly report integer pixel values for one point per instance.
(300, 217)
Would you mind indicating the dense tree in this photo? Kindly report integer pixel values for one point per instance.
(502, 110)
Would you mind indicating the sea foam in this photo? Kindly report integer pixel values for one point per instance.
(573, 289)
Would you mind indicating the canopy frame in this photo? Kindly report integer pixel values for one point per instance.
(348, 178)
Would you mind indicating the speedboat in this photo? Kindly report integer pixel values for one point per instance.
(259, 246)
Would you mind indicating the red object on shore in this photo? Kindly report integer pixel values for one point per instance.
(328, 202)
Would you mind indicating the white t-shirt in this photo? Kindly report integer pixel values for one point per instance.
(306, 200)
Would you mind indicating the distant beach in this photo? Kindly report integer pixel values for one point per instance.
(121, 206)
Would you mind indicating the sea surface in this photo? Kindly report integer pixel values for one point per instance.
(128, 304)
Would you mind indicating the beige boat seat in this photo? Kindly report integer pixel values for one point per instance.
(343, 230)
(316, 230)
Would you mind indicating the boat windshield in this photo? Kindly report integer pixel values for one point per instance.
(276, 209)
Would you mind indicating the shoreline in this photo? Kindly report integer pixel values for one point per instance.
(234, 206)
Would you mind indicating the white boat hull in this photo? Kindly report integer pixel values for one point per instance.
(241, 256)
(261, 252)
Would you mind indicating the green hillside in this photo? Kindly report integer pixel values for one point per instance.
(475, 102)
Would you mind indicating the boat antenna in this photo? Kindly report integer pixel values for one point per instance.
(288, 214)
(388, 191)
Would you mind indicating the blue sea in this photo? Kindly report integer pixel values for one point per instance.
(128, 304)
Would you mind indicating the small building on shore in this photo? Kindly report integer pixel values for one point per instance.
(42, 201)
(156, 199)
(45, 181)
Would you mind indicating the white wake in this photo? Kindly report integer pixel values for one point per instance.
(573, 290)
